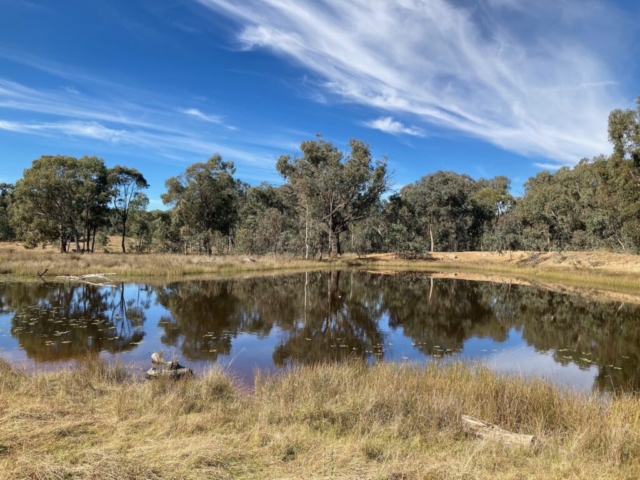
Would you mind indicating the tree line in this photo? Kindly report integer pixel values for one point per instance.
(330, 202)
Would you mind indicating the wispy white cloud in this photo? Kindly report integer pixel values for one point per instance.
(548, 166)
(159, 142)
(194, 112)
(389, 125)
(530, 77)
(15, 96)
(118, 121)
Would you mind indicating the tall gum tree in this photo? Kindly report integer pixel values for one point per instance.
(337, 189)
(206, 198)
(6, 199)
(624, 133)
(58, 196)
(127, 184)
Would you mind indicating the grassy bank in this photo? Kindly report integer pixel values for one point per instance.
(586, 278)
(600, 270)
(27, 263)
(349, 421)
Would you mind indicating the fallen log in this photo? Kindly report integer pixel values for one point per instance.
(88, 279)
(489, 431)
(155, 372)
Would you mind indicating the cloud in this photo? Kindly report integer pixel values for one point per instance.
(161, 142)
(548, 166)
(194, 112)
(530, 77)
(114, 119)
(389, 125)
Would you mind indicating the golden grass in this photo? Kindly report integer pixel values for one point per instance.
(333, 421)
(602, 279)
(27, 263)
(601, 270)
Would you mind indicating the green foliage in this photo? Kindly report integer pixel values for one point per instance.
(6, 199)
(267, 221)
(59, 198)
(126, 184)
(205, 200)
(624, 133)
(447, 211)
(334, 190)
(332, 201)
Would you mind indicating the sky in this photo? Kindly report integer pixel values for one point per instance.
(482, 87)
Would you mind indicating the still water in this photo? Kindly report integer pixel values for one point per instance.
(276, 321)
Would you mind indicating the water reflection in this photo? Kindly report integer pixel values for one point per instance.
(64, 322)
(272, 322)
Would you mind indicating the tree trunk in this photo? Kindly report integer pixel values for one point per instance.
(76, 238)
(334, 244)
(430, 290)
(63, 244)
(431, 236)
(306, 235)
(335, 280)
(124, 234)
(93, 239)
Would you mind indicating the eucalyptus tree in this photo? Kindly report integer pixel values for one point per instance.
(140, 227)
(267, 220)
(551, 210)
(60, 196)
(6, 199)
(127, 184)
(400, 230)
(624, 133)
(442, 209)
(93, 197)
(335, 189)
(206, 199)
(613, 213)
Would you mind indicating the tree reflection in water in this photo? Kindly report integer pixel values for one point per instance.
(65, 321)
(329, 316)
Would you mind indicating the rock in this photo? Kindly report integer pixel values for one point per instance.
(161, 368)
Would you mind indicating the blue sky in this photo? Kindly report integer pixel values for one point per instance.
(483, 87)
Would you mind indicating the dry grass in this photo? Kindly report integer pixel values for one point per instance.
(27, 263)
(334, 421)
(544, 275)
(601, 270)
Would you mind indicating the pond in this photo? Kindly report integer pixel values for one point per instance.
(273, 322)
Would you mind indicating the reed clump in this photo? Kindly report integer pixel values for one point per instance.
(328, 421)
